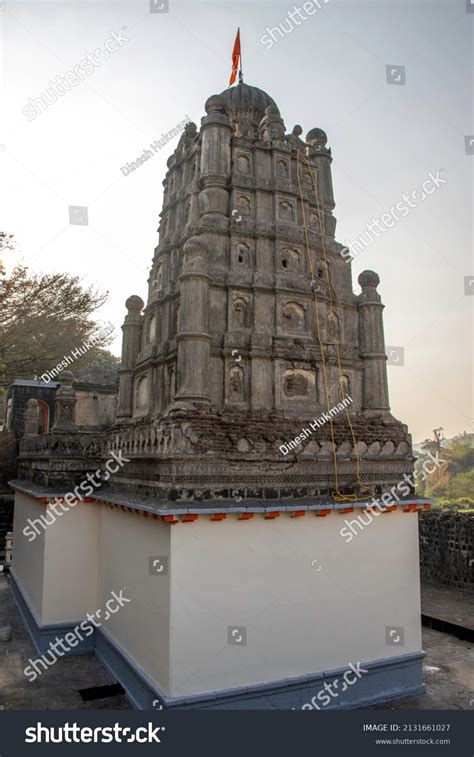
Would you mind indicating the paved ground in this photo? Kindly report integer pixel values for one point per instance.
(449, 676)
(58, 688)
(451, 605)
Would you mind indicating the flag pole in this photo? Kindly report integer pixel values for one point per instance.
(241, 76)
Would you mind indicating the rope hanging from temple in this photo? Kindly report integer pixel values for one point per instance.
(337, 495)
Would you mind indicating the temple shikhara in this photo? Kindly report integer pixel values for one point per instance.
(251, 326)
(243, 592)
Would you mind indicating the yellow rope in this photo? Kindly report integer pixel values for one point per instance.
(318, 324)
(337, 495)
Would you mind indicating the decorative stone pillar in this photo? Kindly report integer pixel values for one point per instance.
(320, 157)
(215, 160)
(65, 405)
(31, 418)
(372, 345)
(193, 338)
(131, 339)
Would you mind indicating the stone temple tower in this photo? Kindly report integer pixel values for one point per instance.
(251, 329)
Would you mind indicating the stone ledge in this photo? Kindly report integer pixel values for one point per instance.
(163, 507)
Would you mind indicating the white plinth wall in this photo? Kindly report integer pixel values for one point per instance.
(304, 602)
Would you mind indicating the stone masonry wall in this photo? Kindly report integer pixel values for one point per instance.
(446, 547)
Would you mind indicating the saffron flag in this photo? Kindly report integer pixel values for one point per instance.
(235, 58)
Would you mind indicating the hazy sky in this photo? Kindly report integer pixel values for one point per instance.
(330, 71)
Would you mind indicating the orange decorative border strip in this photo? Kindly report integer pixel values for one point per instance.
(212, 515)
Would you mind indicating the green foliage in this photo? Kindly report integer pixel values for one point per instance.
(43, 317)
(8, 454)
(453, 482)
(101, 367)
(460, 487)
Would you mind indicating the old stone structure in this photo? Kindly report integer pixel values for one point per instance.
(251, 328)
(95, 406)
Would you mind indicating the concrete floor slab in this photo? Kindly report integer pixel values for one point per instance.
(451, 605)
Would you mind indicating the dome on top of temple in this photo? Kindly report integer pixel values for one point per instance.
(244, 96)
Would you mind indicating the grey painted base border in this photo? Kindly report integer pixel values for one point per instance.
(43, 634)
(385, 679)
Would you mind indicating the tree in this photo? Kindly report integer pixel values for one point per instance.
(102, 368)
(6, 240)
(43, 318)
(6, 243)
(455, 477)
(435, 444)
(461, 486)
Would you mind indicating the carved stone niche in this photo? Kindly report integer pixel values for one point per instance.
(295, 384)
(290, 260)
(286, 211)
(344, 387)
(141, 394)
(240, 313)
(242, 256)
(244, 206)
(293, 318)
(282, 169)
(235, 384)
(243, 164)
(298, 385)
(333, 328)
